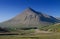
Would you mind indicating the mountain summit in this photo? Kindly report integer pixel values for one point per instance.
(30, 17)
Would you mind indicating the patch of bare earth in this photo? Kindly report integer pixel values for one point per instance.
(39, 31)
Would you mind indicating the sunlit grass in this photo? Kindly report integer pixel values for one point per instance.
(38, 36)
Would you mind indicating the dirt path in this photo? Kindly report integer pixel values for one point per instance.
(39, 31)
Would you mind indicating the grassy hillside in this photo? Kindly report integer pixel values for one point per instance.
(53, 28)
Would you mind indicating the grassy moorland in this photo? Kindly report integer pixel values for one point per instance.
(25, 34)
(38, 36)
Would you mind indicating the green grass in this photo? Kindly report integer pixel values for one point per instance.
(38, 36)
(27, 35)
(52, 28)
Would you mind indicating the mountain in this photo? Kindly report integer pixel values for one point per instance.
(30, 17)
(58, 18)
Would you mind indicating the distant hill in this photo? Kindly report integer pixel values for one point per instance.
(30, 17)
(55, 27)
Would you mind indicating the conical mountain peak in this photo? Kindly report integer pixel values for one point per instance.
(30, 17)
(30, 9)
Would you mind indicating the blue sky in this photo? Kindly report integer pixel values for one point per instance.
(10, 8)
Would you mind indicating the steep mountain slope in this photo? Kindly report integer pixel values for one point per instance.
(30, 17)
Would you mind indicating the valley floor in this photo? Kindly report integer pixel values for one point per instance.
(37, 36)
